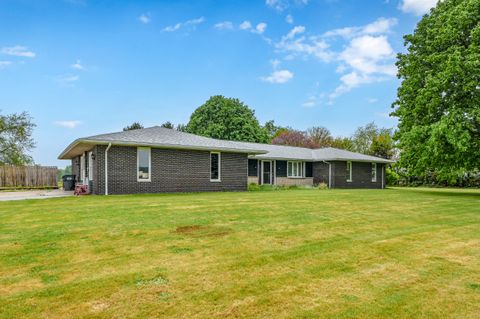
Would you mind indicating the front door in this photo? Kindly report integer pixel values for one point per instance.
(266, 172)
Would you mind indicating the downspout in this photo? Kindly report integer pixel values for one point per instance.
(106, 168)
(329, 174)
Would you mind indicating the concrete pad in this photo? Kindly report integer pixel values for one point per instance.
(34, 194)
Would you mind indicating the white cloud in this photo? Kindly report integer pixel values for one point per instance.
(225, 25)
(310, 102)
(245, 25)
(260, 28)
(191, 23)
(145, 18)
(4, 64)
(278, 77)
(296, 30)
(366, 57)
(277, 4)
(417, 7)
(372, 100)
(303, 46)
(341, 68)
(367, 54)
(68, 124)
(275, 63)
(281, 5)
(77, 65)
(18, 50)
(369, 58)
(289, 19)
(379, 26)
(67, 80)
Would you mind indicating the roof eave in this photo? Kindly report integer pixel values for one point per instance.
(373, 160)
(157, 145)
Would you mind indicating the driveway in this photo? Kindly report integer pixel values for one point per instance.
(34, 194)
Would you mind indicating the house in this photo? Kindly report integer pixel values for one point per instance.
(156, 159)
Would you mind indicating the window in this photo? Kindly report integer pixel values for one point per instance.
(215, 167)
(144, 164)
(349, 171)
(374, 172)
(296, 169)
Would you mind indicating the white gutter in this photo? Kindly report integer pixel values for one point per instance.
(106, 168)
(329, 174)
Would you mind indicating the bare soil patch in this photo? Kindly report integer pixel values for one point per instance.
(203, 230)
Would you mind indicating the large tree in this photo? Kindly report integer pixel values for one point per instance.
(168, 124)
(292, 137)
(320, 136)
(133, 126)
(438, 103)
(226, 118)
(16, 138)
(373, 140)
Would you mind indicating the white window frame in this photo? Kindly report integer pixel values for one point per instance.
(349, 178)
(299, 166)
(90, 166)
(374, 171)
(82, 168)
(149, 164)
(219, 167)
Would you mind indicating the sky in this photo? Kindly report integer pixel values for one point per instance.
(85, 67)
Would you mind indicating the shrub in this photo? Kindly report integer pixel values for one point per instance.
(322, 186)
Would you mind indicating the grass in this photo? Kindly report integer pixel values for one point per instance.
(395, 253)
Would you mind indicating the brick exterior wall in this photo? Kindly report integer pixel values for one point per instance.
(189, 171)
(320, 173)
(76, 168)
(285, 181)
(171, 171)
(361, 175)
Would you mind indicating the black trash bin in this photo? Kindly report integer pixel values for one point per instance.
(68, 182)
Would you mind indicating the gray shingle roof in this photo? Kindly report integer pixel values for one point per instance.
(167, 138)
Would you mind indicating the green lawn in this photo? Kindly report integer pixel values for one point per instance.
(395, 253)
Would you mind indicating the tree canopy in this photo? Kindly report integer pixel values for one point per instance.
(320, 136)
(133, 126)
(16, 138)
(226, 118)
(373, 140)
(168, 124)
(293, 138)
(438, 101)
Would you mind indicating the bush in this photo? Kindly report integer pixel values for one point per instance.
(322, 186)
(392, 177)
(255, 187)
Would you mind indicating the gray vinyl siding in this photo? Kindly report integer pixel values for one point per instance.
(171, 171)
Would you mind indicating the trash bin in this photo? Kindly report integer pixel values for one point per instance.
(68, 182)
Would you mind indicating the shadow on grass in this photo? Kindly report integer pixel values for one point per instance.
(472, 193)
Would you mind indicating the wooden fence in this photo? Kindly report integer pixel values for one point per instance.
(28, 176)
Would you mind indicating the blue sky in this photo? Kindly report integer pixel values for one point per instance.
(84, 67)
